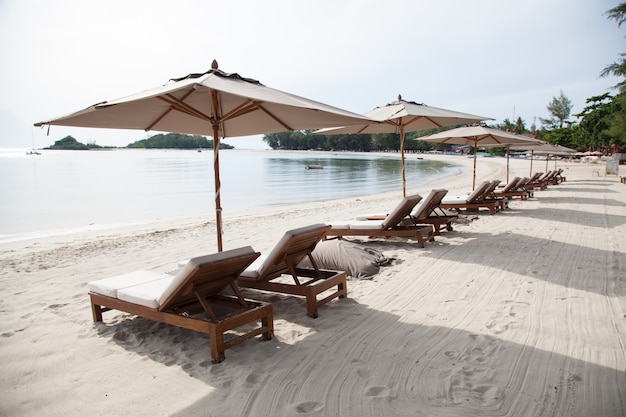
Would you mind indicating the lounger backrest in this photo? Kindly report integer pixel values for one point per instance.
(510, 186)
(478, 194)
(208, 275)
(425, 207)
(535, 177)
(401, 211)
(521, 184)
(292, 248)
(491, 188)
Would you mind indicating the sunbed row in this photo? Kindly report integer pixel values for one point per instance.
(205, 296)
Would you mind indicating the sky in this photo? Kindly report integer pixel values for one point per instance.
(495, 58)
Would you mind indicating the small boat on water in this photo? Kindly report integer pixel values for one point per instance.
(314, 167)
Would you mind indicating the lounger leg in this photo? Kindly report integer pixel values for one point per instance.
(267, 321)
(96, 312)
(311, 305)
(217, 344)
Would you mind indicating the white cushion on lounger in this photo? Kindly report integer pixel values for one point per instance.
(110, 286)
(252, 271)
(367, 224)
(454, 199)
(370, 216)
(257, 268)
(345, 224)
(147, 294)
(195, 263)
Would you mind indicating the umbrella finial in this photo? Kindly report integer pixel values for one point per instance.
(399, 97)
(214, 64)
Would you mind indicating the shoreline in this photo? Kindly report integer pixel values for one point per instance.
(208, 216)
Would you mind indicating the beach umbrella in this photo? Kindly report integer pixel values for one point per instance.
(479, 136)
(401, 117)
(546, 149)
(213, 103)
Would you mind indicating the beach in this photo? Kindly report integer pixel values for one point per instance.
(521, 313)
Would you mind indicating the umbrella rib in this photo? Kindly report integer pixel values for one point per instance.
(244, 108)
(416, 118)
(178, 104)
(270, 114)
(393, 123)
(251, 106)
(161, 117)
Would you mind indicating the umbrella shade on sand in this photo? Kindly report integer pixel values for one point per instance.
(476, 136)
(401, 117)
(213, 103)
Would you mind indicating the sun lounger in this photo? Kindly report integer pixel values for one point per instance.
(502, 202)
(474, 201)
(514, 188)
(554, 177)
(194, 298)
(558, 177)
(269, 272)
(426, 211)
(536, 182)
(395, 224)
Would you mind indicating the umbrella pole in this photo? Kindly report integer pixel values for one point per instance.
(402, 156)
(532, 156)
(474, 176)
(507, 162)
(218, 185)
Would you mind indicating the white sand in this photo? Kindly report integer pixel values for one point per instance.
(517, 314)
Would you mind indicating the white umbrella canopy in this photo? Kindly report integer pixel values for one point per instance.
(480, 136)
(544, 148)
(213, 103)
(401, 117)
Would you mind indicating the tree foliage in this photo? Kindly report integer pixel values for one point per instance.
(618, 68)
(69, 143)
(560, 109)
(176, 141)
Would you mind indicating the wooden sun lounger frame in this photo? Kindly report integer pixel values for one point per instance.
(296, 245)
(477, 202)
(502, 202)
(196, 296)
(536, 182)
(398, 225)
(430, 213)
(515, 188)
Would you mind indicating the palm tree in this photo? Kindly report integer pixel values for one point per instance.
(617, 69)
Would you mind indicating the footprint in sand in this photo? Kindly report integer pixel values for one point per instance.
(253, 378)
(377, 392)
(364, 373)
(309, 407)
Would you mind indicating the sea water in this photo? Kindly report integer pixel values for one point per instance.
(61, 190)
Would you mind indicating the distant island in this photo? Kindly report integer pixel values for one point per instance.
(176, 141)
(159, 141)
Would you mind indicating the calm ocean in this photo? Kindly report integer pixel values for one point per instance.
(61, 190)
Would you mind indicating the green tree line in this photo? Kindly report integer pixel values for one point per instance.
(158, 141)
(176, 141)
